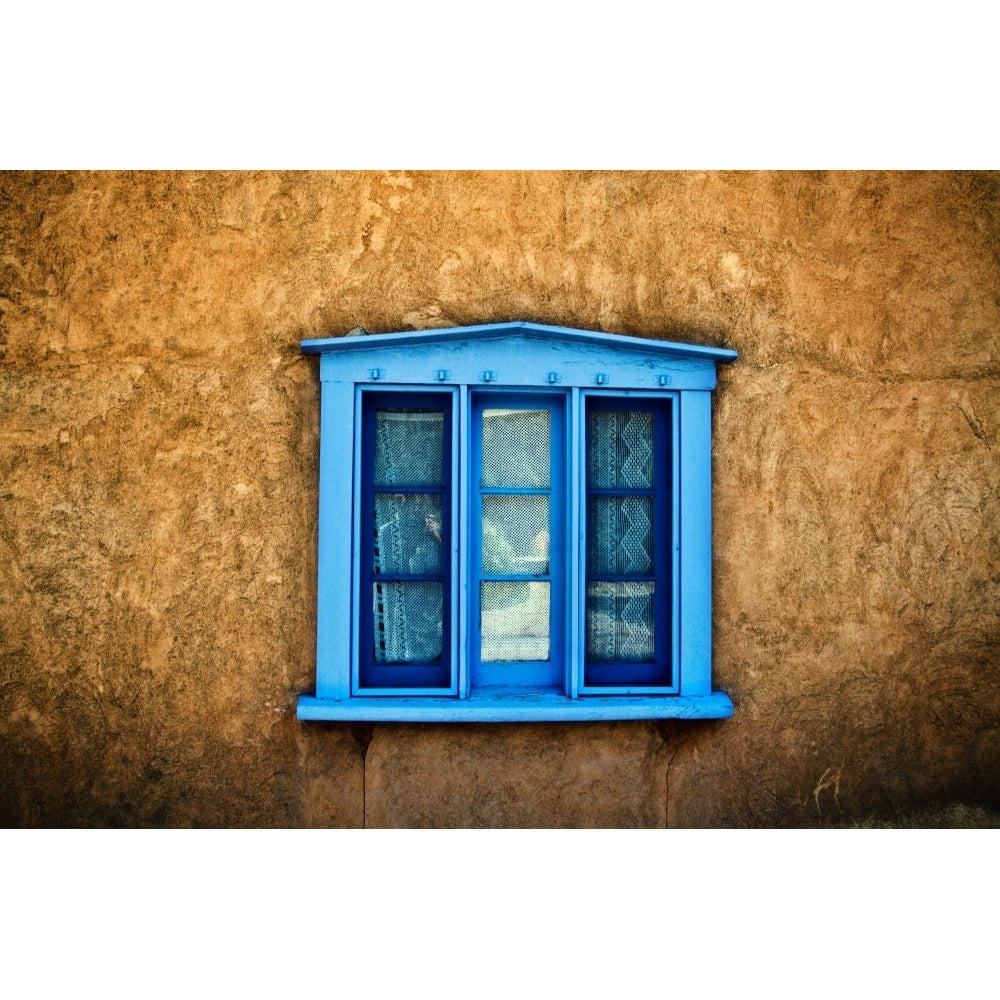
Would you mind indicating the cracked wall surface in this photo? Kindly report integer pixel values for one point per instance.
(158, 472)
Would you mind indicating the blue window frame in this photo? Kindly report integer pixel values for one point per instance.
(517, 535)
(631, 539)
(406, 459)
(514, 525)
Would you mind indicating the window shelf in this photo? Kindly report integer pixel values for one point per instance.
(510, 706)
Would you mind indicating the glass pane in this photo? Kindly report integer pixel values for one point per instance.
(407, 533)
(516, 534)
(620, 622)
(408, 623)
(409, 447)
(514, 621)
(619, 536)
(516, 448)
(620, 449)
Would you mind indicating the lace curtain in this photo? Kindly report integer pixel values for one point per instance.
(620, 457)
(409, 450)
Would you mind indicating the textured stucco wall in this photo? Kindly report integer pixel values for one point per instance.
(158, 463)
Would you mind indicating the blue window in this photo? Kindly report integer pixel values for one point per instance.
(517, 538)
(407, 526)
(630, 541)
(514, 525)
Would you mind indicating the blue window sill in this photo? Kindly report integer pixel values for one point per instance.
(506, 706)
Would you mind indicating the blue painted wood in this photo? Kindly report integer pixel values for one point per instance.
(464, 630)
(660, 674)
(575, 584)
(380, 678)
(527, 365)
(696, 543)
(526, 331)
(501, 706)
(555, 363)
(675, 542)
(333, 599)
(518, 356)
(540, 673)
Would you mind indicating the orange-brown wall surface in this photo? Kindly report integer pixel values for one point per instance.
(158, 488)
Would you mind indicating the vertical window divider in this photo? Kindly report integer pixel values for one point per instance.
(675, 539)
(356, 585)
(462, 476)
(575, 583)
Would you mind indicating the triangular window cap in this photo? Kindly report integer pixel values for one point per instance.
(523, 330)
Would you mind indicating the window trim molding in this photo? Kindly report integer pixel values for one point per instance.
(513, 358)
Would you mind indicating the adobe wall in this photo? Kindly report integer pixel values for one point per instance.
(158, 470)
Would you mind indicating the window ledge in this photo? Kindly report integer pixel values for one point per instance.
(505, 706)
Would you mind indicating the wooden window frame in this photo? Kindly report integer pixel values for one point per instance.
(572, 373)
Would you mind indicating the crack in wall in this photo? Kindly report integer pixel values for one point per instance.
(666, 789)
(363, 737)
(670, 737)
(975, 424)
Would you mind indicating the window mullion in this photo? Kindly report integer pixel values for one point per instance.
(461, 476)
(575, 586)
